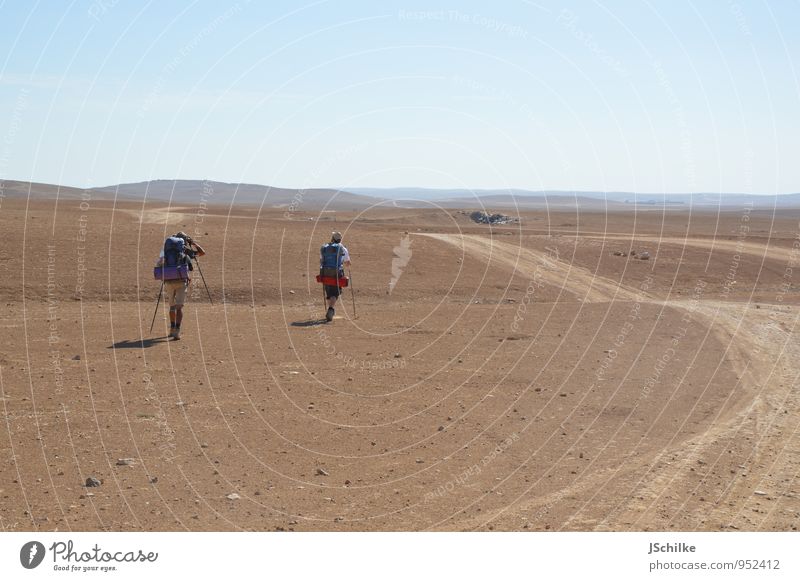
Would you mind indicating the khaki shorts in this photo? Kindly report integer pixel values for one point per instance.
(176, 292)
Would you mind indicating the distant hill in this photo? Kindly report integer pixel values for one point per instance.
(195, 191)
(539, 202)
(543, 198)
(188, 192)
(16, 189)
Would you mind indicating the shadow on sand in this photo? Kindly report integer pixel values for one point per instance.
(311, 323)
(139, 343)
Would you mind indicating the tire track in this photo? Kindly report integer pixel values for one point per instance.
(581, 282)
(762, 432)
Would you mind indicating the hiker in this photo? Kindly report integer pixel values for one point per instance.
(333, 257)
(176, 257)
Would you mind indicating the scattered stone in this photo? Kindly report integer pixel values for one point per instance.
(347, 483)
(233, 496)
(291, 292)
(420, 461)
(441, 428)
(644, 256)
(397, 356)
(153, 479)
(322, 472)
(486, 218)
(759, 493)
(125, 462)
(92, 482)
(76, 358)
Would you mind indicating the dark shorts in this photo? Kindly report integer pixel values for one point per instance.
(332, 291)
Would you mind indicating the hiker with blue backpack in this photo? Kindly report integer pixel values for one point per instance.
(333, 257)
(173, 268)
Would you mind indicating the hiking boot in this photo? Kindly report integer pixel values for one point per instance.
(329, 314)
(176, 333)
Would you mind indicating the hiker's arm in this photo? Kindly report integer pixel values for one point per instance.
(199, 249)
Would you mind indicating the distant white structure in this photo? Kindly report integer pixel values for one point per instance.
(402, 255)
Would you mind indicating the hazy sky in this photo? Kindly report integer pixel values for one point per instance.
(636, 96)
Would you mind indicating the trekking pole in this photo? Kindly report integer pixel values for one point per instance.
(158, 302)
(352, 291)
(200, 270)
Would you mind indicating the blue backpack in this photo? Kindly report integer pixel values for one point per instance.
(332, 254)
(175, 266)
(174, 251)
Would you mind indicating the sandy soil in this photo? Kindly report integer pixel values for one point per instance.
(523, 377)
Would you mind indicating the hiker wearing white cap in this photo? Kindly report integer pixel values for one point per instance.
(333, 257)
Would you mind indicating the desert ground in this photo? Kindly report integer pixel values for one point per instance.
(525, 377)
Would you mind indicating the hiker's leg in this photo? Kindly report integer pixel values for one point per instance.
(333, 293)
(172, 315)
(180, 299)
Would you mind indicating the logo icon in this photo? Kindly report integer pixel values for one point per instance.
(32, 554)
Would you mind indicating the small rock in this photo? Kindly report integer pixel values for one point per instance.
(233, 496)
(397, 355)
(347, 483)
(76, 358)
(125, 462)
(322, 472)
(291, 292)
(153, 479)
(92, 482)
(420, 461)
(759, 492)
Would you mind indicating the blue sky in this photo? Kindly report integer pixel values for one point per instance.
(634, 96)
